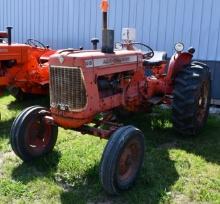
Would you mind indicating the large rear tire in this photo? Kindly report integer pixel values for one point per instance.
(30, 136)
(192, 95)
(122, 160)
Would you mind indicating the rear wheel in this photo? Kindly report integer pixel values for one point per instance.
(31, 137)
(122, 160)
(192, 95)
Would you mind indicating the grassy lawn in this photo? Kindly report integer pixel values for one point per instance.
(176, 169)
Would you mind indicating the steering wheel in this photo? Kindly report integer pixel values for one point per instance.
(147, 55)
(35, 43)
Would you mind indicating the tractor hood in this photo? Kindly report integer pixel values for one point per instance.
(89, 59)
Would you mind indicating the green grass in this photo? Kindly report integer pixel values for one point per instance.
(176, 169)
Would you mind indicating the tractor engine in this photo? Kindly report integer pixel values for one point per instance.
(109, 85)
(86, 83)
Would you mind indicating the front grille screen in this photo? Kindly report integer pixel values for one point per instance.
(67, 88)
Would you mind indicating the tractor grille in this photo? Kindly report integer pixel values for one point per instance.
(67, 88)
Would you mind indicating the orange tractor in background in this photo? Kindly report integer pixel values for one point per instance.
(24, 68)
(86, 87)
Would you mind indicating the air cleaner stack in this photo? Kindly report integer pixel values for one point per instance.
(107, 35)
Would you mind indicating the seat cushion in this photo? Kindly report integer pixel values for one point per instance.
(159, 58)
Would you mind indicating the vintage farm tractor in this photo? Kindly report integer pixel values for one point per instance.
(85, 84)
(24, 68)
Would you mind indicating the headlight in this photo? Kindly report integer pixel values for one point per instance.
(179, 47)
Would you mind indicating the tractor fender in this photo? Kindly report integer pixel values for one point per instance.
(177, 63)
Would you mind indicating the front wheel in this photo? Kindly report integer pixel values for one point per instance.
(122, 160)
(192, 95)
(31, 137)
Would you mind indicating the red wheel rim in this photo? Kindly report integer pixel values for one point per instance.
(129, 161)
(202, 102)
(38, 136)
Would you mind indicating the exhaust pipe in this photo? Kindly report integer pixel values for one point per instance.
(9, 34)
(105, 7)
(107, 35)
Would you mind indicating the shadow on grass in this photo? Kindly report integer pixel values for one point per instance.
(31, 101)
(43, 167)
(206, 144)
(159, 133)
(158, 174)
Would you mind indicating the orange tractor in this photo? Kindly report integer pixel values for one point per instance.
(87, 84)
(24, 67)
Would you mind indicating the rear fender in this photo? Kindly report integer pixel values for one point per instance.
(177, 63)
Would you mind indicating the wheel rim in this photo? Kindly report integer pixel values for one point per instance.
(129, 161)
(203, 102)
(38, 136)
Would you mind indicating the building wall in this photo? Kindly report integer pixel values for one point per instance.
(159, 23)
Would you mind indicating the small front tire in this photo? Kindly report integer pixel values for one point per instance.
(122, 160)
(31, 137)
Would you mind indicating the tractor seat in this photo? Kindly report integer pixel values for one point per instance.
(158, 59)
